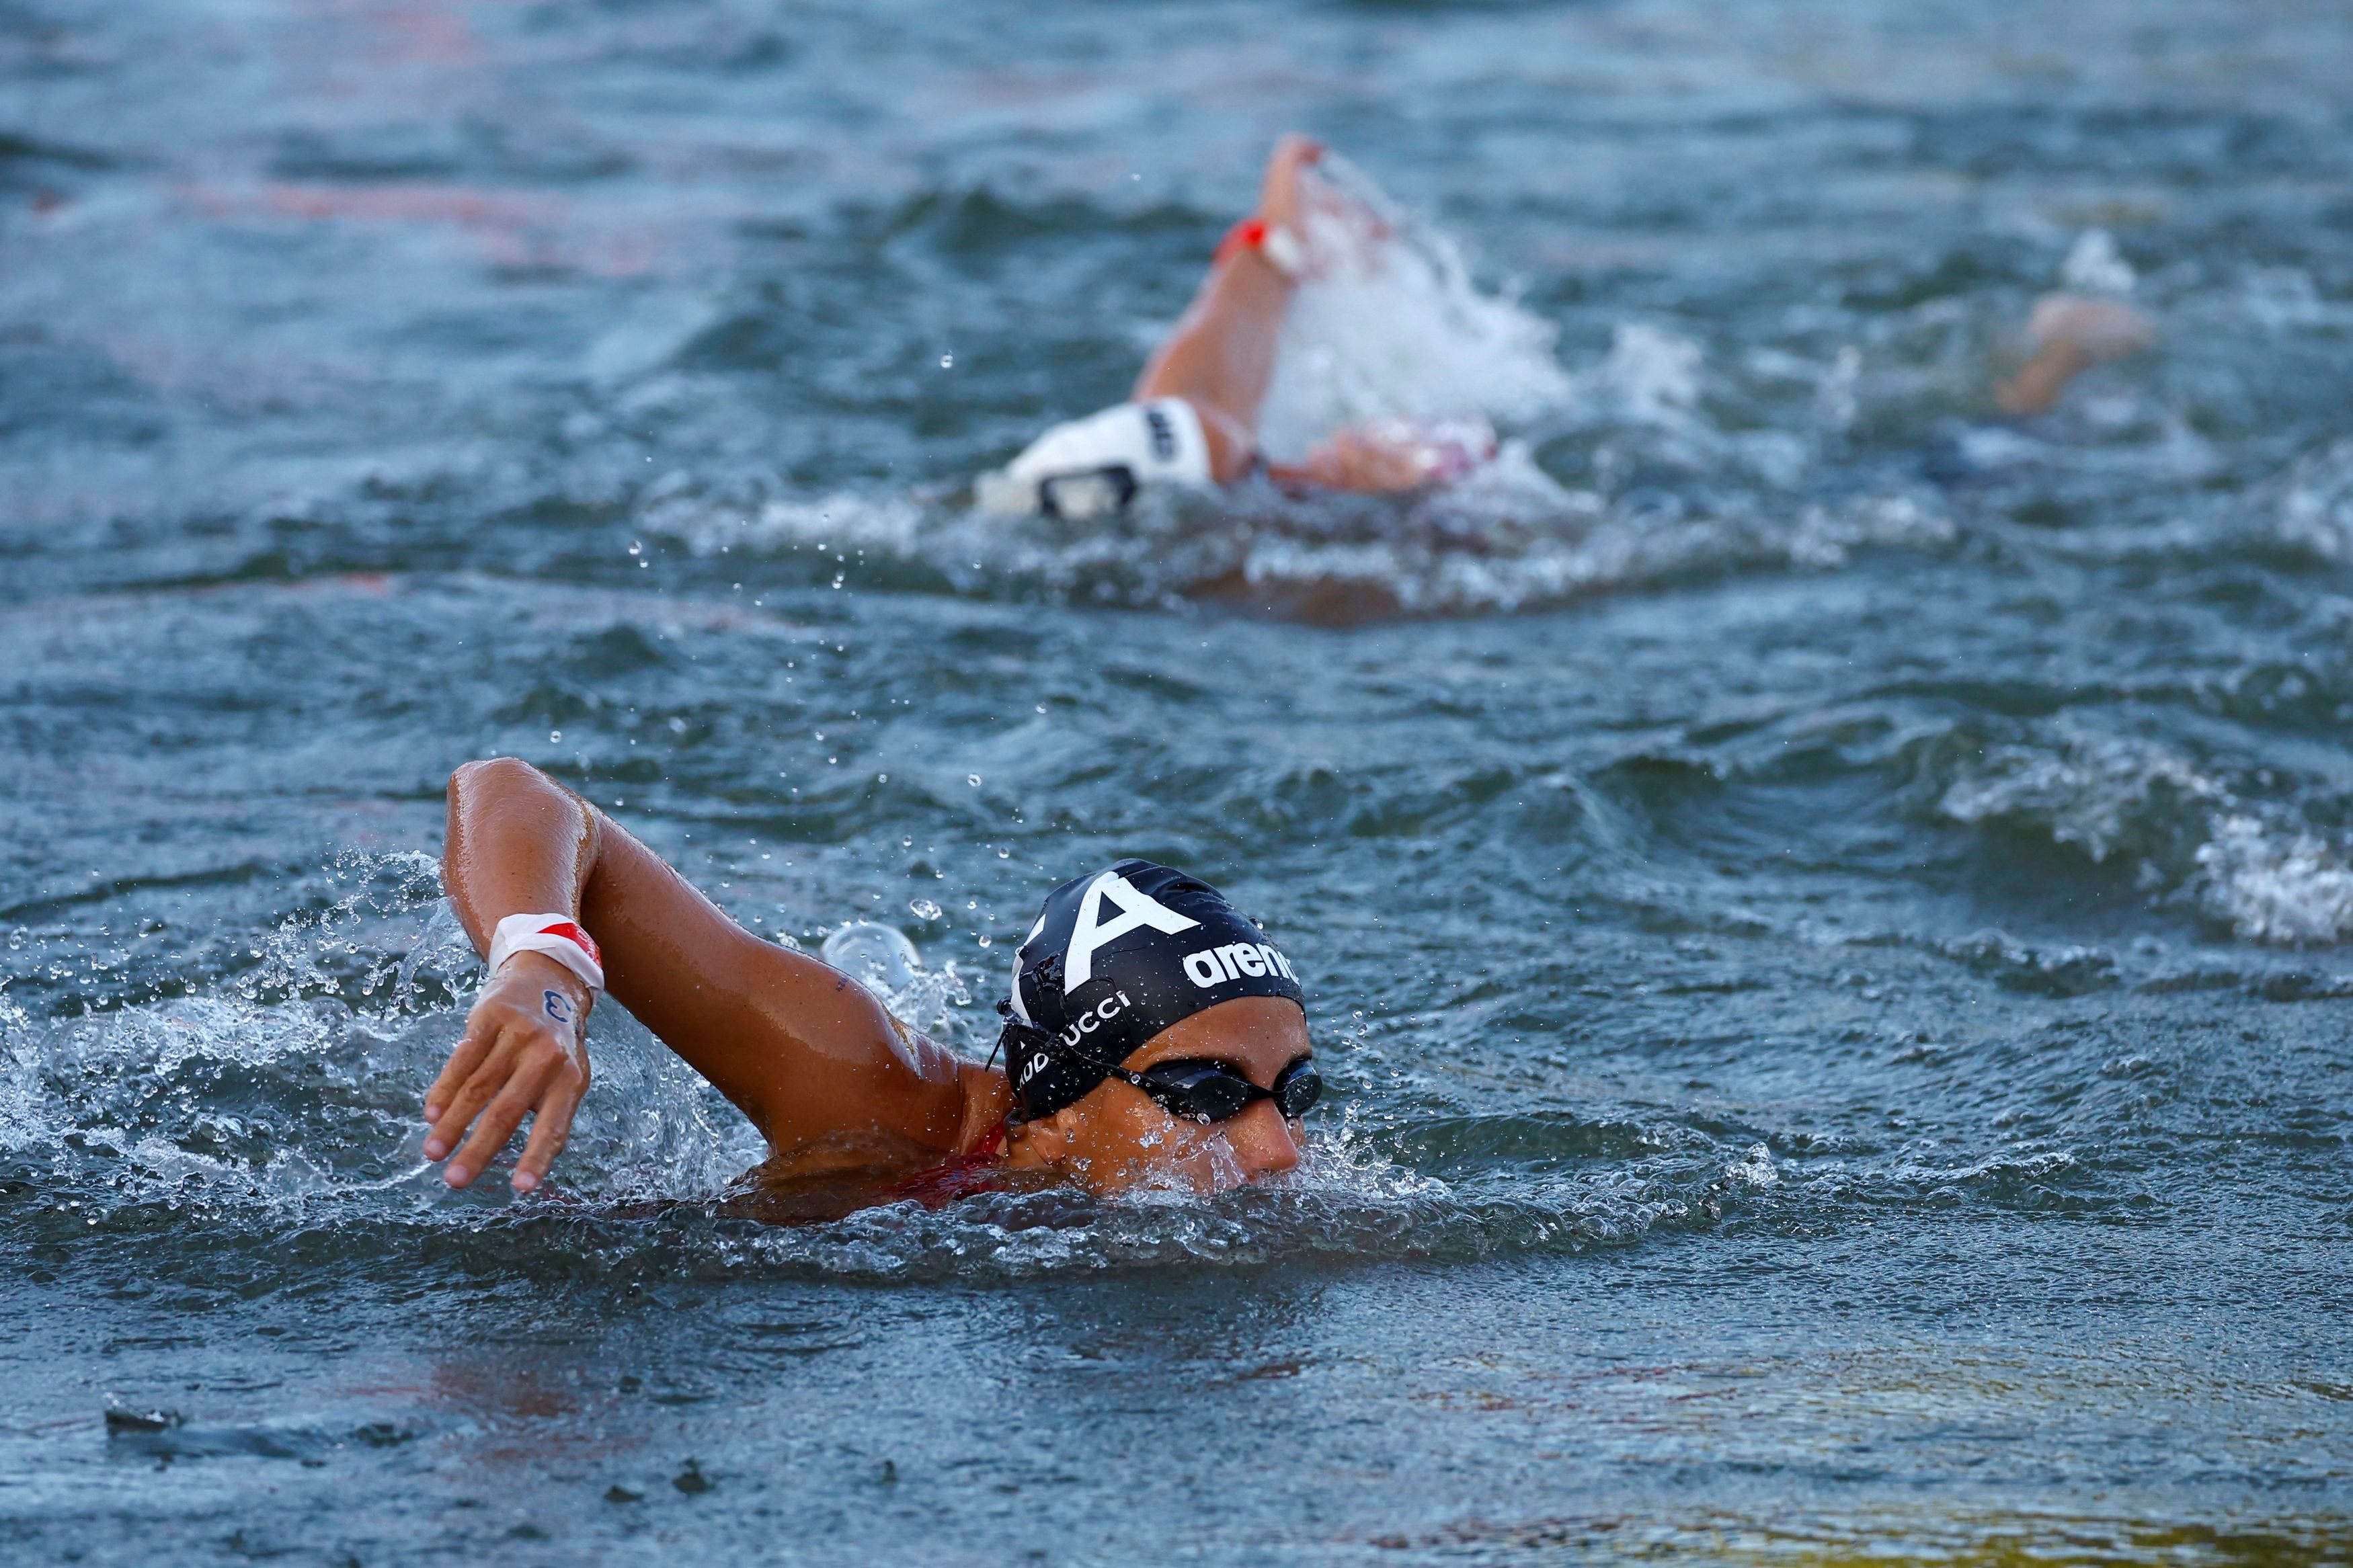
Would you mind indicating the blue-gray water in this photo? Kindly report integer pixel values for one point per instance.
(1825, 910)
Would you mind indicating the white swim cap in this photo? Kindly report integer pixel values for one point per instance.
(1089, 467)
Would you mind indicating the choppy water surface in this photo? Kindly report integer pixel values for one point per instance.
(1826, 910)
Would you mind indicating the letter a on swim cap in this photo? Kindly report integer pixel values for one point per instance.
(1137, 909)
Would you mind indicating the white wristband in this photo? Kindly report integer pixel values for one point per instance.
(558, 936)
(1283, 251)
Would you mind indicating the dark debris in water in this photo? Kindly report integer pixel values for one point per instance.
(122, 1419)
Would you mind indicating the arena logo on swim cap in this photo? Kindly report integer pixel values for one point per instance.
(1137, 909)
(1216, 965)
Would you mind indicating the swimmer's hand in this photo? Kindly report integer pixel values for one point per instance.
(1281, 200)
(1384, 455)
(1359, 460)
(524, 1051)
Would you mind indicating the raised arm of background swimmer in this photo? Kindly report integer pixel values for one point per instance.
(1220, 357)
(802, 1049)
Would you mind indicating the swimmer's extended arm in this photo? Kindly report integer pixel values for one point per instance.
(805, 1051)
(2070, 333)
(1220, 357)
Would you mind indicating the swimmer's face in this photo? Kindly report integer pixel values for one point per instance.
(1117, 1137)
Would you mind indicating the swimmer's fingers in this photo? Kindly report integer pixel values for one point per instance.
(1278, 195)
(494, 1065)
(461, 1066)
(551, 1128)
(528, 1071)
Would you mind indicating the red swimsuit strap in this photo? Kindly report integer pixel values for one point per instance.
(973, 1171)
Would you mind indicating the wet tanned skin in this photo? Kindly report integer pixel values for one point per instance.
(809, 1055)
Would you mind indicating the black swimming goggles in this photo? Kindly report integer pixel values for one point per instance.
(1208, 1091)
(1189, 1088)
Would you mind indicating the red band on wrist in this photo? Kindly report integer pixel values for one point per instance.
(1247, 235)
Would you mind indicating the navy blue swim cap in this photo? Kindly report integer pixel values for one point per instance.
(1116, 957)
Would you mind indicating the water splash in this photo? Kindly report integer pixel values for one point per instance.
(882, 959)
(2094, 266)
(1391, 324)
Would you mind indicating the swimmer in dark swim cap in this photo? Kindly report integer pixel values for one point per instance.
(1151, 1032)
(1192, 418)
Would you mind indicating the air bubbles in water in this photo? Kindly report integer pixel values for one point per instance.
(876, 954)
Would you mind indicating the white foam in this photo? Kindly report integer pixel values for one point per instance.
(2094, 265)
(2099, 793)
(2290, 888)
(2315, 508)
(1651, 375)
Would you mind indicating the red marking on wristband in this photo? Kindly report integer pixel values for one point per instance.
(581, 939)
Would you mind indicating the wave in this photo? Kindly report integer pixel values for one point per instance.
(2187, 838)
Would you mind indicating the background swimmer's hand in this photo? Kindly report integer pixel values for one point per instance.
(1280, 199)
(1385, 455)
(524, 1051)
(1361, 461)
(2067, 335)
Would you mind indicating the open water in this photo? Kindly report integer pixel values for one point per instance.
(1825, 910)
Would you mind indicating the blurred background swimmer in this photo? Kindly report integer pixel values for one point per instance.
(1193, 418)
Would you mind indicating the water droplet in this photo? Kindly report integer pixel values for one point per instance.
(924, 909)
(554, 737)
(972, 779)
(947, 362)
(637, 547)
